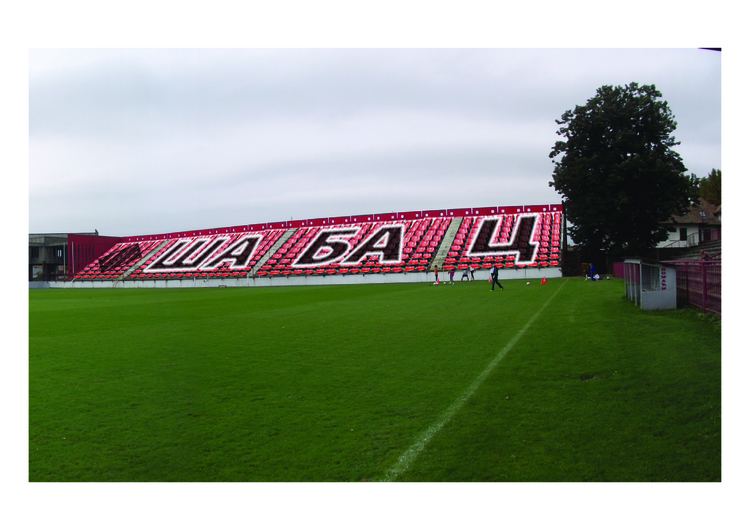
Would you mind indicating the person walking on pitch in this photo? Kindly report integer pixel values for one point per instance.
(493, 277)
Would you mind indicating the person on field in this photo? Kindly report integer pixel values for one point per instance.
(465, 274)
(450, 276)
(471, 271)
(592, 271)
(493, 277)
(437, 277)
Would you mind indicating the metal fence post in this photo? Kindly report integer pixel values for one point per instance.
(705, 286)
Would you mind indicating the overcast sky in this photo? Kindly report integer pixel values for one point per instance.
(145, 141)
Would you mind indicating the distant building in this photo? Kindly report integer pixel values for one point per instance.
(701, 223)
(58, 256)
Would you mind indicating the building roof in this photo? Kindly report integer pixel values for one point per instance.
(702, 213)
(55, 238)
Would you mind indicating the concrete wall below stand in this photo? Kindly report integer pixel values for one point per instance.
(353, 279)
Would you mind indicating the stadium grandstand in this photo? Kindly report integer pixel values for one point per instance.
(524, 241)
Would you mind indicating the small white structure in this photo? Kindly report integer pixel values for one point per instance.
(650, 285)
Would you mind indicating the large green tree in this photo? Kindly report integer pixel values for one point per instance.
(710, 187)
(617, 172)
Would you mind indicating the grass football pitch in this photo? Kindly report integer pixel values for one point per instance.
(409, 382)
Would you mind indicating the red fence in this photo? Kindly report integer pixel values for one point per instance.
(699, 284)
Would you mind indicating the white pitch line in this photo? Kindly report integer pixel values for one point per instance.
(410, 455)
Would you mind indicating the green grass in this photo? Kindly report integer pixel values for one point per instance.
(335, 383)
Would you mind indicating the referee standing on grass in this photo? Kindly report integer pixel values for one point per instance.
(493, 277)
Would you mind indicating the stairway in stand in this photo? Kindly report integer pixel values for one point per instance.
(445, 246)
